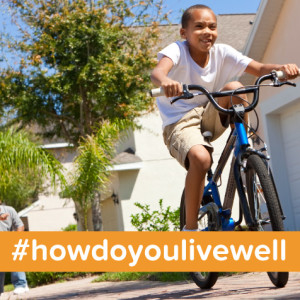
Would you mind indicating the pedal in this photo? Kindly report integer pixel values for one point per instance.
(228, 224)
(264, 222)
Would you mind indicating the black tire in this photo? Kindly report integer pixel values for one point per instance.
(264, 205)
(182, 211)
(279, 279)
(204, 280)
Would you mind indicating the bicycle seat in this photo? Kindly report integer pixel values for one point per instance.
(207, 135)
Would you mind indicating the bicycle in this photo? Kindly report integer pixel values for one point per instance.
(250, 175)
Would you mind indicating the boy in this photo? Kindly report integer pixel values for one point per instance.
(198, 60)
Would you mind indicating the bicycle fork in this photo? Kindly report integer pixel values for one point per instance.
(240, 149)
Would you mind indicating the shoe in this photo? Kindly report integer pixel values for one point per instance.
(21, 290)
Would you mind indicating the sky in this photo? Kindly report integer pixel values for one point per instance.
(176, 7)
(218, 6)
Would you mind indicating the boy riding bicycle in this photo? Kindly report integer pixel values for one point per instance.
(198, 60)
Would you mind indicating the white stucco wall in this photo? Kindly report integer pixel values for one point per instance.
(51, 212)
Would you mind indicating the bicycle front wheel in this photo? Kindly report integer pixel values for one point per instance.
(204, 280)
(264, 205)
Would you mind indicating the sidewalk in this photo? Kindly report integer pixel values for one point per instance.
(245, 286)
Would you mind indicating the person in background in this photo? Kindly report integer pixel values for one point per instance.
(10, 221)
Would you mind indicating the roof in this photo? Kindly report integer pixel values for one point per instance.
(233, 29)
(125, 161)
(125, 157)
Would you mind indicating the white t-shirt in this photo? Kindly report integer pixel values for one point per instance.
(225, 63)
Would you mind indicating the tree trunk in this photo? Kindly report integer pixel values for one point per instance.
(89, 219)
(96, 212)
(84, 218)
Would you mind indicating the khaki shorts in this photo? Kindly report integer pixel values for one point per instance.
(180, 137)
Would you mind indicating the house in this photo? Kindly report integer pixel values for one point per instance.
(144, 171)
(275, 39)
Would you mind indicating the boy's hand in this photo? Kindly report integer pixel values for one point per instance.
(171, 88)
(291, 71)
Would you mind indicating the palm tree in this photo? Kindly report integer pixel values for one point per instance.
(23, 167)
(91, 172)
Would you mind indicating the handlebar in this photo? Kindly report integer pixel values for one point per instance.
(275, 76)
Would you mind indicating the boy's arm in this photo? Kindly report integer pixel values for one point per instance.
(159, 77)
(258, 69)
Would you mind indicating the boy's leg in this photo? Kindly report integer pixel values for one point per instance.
(199, 163)
(186, 143)
(199, 158)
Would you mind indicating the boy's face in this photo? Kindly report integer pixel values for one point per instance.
(201, 31)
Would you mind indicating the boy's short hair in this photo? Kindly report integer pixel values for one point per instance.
(187, 13)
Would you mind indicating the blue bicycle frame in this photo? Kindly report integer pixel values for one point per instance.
(211, 189)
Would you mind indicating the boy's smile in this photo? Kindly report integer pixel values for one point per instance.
(200, 33)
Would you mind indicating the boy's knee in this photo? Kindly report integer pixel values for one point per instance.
(233, 85)
(200, 157)
(227, 102)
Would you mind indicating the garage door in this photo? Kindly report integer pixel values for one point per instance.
(290, 125)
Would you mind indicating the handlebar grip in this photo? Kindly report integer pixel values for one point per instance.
(281, 74)
(157, 92)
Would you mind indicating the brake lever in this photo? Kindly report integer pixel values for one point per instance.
(291, 83)
(186, 94)
(278, 83)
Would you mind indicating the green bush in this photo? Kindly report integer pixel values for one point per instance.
(70, 227)
(157, 220)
